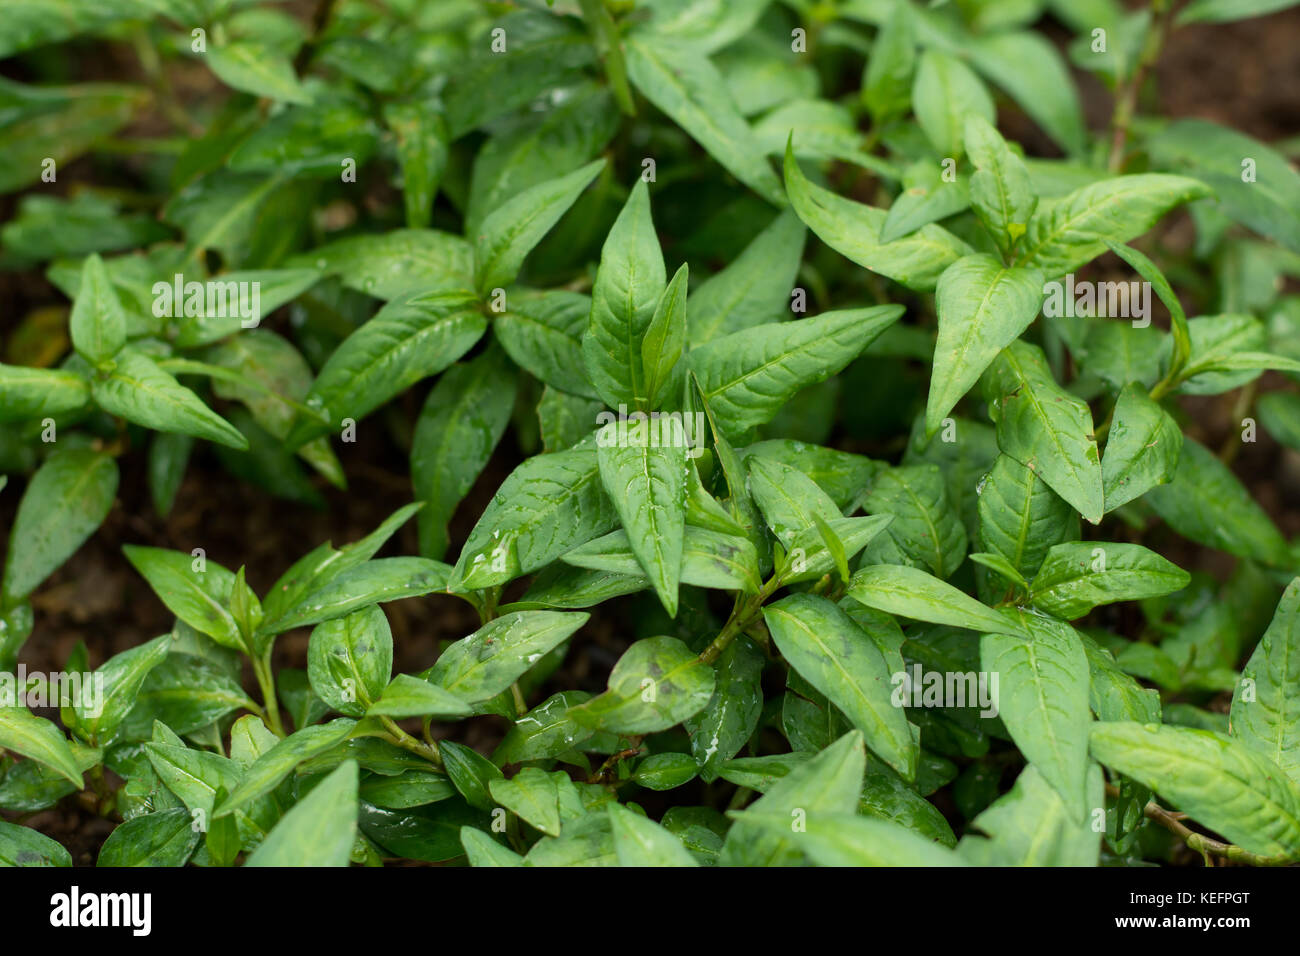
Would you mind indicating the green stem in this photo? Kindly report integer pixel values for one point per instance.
(404, 740)
(742, 616)
(1126, 99)
(262, 669)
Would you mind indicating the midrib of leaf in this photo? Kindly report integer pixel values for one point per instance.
(925, 516)
(235, 211)
(1041, 412)
(683, 92)
(1112, 199)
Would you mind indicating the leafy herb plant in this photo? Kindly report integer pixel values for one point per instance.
(833, 417)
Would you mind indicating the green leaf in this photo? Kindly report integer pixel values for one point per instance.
(266, 772)
(1030, 826)
(1020, 517)
(162, 838)
(194, 589)
(40, 392)
(1225, 11)
(754, 288)
(910, 592)
(65, 501)
(853, 230)
(629, 283)
(258, 69)
(533, 795)
(665, 339)
(1177, 317)
(710, 559)
(944, 93)
(926, 530)
(833, 654)
(350, 660)
(639, 841)
(1043, 701)
(123, 675)
(407, 340)
(542, 332)
(1113, 694)
(747, 377)
(409, 696)
(470, 772)
(194, 776)
(842, 839)
(1077, 576)
(1265, 711)
(665, 771)
(1045, 428)
(511, 230)
(549, 505)
(1208, 504)
(422, 149)
(23, 846)
(34, 737)
(789, 500)
(98, 323)
(398, 263)
(657, 683)
(377, 581)
(646, 481)
(482, 850)
(480, 666)
(1220, 782)
(927, 196)
(983, 307)
(687, 87)
(141, 392)
(1028, 66)
(1001, 192)
(544, 732)
(1142, 448)
(1069, 232)
(829, 783)
(887, 80)
(320, 828)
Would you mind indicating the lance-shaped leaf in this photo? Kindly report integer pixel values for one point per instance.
(401, 262)
(141, 392)
(123, 675)
(421, 142)
(479, 667)
(460, 424)
(542, 332)
(407, 340)
(98, 323)
(482, 850)
(533, 795)
(853, 230)
(265, 773)
(887, 80)
(657, 683)
(1030, 826)
(545, 731)
(724, 726)
(665, 338)
(258, 69)
(511, 231)
(639, 841)
(1045, 428)
(647, 483)
(754, 288)
(1071, 231)
(1077, 576)
(40, 392)
(944, 93)
(910, 592)
(1142, 448)
(926, 197)
(687, 86)
(162, 838)
(926, 530)
(65, 501)
(832, 653)
(710, 559)
(1208, 504)
(23, 733)
(1220, 782)
(790, 501)
(195, 589)
(983, 307)
(195, 776)
(375, 582)
(747, 377)
(1043, 700)
(350, 659)
(831, 782)
(321, 827)
(1113, 694)
(1266, 701)
(629, 282)
(550, 504)
(1000, 189)
(844, 839)
(409, 696)
(1020, 517)
(23, 846)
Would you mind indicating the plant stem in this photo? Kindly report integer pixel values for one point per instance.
(428, 751)
(1201, 843)
(1126, 98)
(262, 669)
(742, 615)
